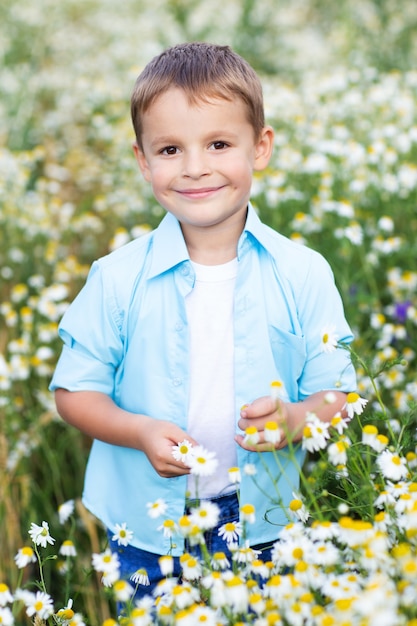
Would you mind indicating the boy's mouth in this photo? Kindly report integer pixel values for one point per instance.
(202, 192)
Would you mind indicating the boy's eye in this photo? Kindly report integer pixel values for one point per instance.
(169, 150)
(219, 145)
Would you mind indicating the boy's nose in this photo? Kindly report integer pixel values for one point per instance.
(195, 165)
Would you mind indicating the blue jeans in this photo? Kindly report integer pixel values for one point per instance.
(131, 558)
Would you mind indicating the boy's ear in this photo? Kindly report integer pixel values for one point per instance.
(142, 162)
(263, 148)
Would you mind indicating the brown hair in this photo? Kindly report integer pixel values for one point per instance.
(203, 71)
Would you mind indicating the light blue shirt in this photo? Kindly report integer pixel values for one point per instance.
(126, 335)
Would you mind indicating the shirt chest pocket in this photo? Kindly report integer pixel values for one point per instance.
(289, 353)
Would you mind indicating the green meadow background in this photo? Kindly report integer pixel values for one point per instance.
(340, 85)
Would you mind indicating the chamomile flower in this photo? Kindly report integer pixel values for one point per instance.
(166, 565)
(234, 475)
(249, 469)
(157, 508)
(252, 436)
(247, 513)
(337, 451)
(315, 433)
(122, 535)
(24, 556)
(122, 590)
(5, 595)
(328, 339)
(354, 404)
(338, 423)
(202, 462)
(39, 604)
(219, 561)
(66, 614)
(237, 594)
(298, 509)
(65, 511)
(206, 515)
(168, 528)
(191, 567)
(272, 433)
(277, 390)
(6, 616)
(231, 531)
(392, 465)
(140, 577)
(67, 548)
(183, 451)
(40, 534)
(106, 561)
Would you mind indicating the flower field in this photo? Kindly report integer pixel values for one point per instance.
(343, 180)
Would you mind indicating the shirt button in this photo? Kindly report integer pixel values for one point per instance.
(179, 326)
(185, 270)
(176, 382)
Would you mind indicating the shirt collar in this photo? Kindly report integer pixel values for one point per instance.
(169, 247)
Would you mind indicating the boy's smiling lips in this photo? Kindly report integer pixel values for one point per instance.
(202, 192)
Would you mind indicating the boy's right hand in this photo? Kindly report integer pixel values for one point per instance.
(157, 444)
(96, 415)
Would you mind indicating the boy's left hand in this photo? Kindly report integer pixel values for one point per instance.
(257, 414)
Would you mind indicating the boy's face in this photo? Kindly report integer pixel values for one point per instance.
(200, 158)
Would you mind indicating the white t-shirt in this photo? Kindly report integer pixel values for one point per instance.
(211, 411)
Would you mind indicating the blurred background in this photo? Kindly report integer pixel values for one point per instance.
(340, 88)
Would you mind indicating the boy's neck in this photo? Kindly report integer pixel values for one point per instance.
(212, 246)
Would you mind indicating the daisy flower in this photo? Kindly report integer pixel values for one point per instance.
(298, 509)
(66, 614)
(6, 616)
(166, 565)
(272, 433)
(40, 604)
(247, 513)
(183, 451)
(249, 469)
(191, 567)
(231, 531)
(237, 594)
(219, 561)
(392, 465)
(122, 590)
(315, 433)
(109, 578)
(65, 511)
(277, 390)
(168, 528)
(140, 577)
(68, 548)
(252, 436)
(234, 475)
(338, 423)
(337, 452)
(122, 534)
(157, 508)
(106, 561)
(328, 339)
(40, 534)
(203, 462)
(354, 404)
(24, 556)
(206, 515)
(5, 595)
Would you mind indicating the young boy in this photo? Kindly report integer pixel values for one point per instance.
(177, 331)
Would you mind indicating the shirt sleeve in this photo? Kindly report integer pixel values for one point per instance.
(93, 344)
(321, 310)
